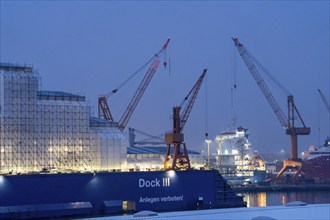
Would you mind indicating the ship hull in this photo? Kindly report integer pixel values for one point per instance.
(49, 195)
(317, 168)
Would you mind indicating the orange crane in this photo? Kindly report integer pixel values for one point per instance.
(103, 107)
(287, 123)
(180, 157)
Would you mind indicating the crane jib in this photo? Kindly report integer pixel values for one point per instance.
(103, 108)
(287, 123)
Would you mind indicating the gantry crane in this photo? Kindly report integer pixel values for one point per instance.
(103, 107)
(180, 157)
(287, 123)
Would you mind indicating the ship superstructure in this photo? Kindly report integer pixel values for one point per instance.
(51, 130)
(236, 159)
(317, 151)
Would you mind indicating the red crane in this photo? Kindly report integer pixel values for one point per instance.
(287, 123)
(180, 158)
(103, 107)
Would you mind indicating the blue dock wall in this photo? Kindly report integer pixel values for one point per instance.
(159, 190)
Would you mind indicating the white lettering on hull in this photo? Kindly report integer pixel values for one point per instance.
(161, 199)
(154, 183)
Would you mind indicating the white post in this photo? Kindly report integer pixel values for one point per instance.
(208, 142)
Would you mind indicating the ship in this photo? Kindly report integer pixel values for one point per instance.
(237, 160)
(316, 163)
(57, 160)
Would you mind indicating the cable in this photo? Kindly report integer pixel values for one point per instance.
(206, 110)
(131, 77)
(284, 90)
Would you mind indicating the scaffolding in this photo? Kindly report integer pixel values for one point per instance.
(46, 131)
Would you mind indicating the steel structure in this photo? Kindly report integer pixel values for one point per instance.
(287, 123)
(103, 107)
(324, 99)
(51, 131)
(180, 157)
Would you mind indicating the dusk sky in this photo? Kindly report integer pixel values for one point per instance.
(91, 47)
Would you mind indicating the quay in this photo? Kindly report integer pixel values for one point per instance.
(279, 187)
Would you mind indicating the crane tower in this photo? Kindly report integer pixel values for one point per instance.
(288, 123)
(180, 158)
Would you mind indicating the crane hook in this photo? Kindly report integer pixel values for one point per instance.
(165, 64)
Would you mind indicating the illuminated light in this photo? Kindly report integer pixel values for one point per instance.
(208, 142)
(284, 200)
(171, 173)
(262, 199)
(2, 179)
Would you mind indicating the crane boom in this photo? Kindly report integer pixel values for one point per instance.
(102, 101)
(138, 94)
(261, 83)
(326, 103)
(141, 89)
(191, 97)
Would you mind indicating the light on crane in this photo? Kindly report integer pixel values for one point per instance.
(180, 158)
(103, 107)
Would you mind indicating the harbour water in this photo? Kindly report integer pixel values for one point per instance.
(260, 199)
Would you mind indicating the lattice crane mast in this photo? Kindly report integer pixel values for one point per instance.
(180, 157)
(287, 123)
(103, 107)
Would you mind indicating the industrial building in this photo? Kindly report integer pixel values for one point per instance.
(52, 131)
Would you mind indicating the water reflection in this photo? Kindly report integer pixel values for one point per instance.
(255, 199)
(281, 198)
